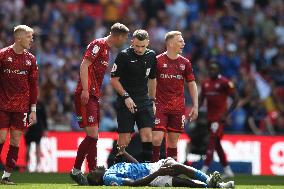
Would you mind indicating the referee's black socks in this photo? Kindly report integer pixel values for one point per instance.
(146, 151)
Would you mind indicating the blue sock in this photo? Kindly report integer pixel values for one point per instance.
(201, 176)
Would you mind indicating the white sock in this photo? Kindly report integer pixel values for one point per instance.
(75, 171)
(227, 168)
(6, 174)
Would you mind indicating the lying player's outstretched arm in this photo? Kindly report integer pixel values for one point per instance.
(148, 179)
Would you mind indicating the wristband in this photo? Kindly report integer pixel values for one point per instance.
(125, 96)
(33, 109)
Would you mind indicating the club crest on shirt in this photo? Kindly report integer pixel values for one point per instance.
(95, 50)
(91, 119)
(206, 85)
(157, 121)
(10, 59)
(182, 67)
(28, 62)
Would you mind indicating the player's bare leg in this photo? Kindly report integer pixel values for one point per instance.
(146, 139)
(87, 147)
(172, 144)
(156, 143)
(12, 156)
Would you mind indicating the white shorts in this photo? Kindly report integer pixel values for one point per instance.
(162, 181)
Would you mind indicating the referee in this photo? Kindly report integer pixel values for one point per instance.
(133, 76)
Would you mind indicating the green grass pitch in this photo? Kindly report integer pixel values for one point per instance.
(62, 181)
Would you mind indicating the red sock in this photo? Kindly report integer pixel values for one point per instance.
(156, 153)
(82, 151)
(172, 152)
(11, 158)
(92, 155)
(210, 150)
(221, 154)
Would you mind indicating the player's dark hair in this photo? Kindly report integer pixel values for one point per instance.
(93, 176)
(171, 35)
(141, 35)
(119, 29)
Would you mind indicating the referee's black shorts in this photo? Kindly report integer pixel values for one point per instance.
(143, 118)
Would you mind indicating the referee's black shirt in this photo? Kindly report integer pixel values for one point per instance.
(134, 71)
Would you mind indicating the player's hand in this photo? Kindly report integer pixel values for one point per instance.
(130, 105)
(84, 97)
(120, 150)
(193, 113)
(32, 119)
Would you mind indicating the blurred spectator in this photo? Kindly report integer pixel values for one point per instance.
(246, 36)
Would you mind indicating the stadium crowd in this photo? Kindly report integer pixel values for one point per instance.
(246, 37)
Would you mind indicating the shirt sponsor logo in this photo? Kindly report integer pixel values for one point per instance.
(170, 76)
(19, 72)
(182, 67)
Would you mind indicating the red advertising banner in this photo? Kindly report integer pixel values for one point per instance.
(58, 152)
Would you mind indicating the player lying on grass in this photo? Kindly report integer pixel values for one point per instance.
(165, 172)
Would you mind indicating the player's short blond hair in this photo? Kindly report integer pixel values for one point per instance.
(171, 35)
(22, 28)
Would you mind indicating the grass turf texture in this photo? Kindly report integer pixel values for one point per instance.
(62, 181)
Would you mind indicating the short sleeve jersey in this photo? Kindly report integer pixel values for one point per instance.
(118, 173)
(18, 80)
(216, 93)
(98, 54)
(134, 71)
(171, 75)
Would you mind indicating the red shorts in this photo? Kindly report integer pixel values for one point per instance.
(216, 129)
(87, 115)
(13, 120)
(169, 122)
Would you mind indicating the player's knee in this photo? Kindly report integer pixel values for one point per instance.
(157, 140)
(14, 141)
(146, 137)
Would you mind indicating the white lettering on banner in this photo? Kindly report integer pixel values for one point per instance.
(48, 160)
(277, 158)
(50, 154)
(265, 158)
(244, 151)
